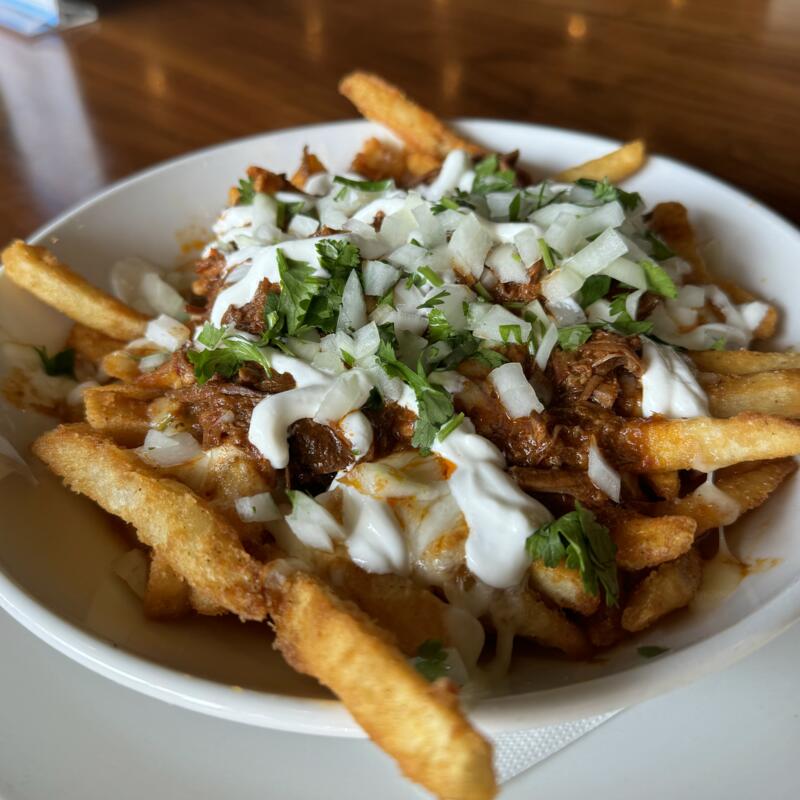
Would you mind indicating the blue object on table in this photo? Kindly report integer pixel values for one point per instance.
(34, 17)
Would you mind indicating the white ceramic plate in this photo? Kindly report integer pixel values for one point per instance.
(56, 548)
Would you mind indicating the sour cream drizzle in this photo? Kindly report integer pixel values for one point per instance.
(499, 514)
(669, 387)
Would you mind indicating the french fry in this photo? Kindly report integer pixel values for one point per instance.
(768, 325)
(648, 541)
(119, 410)
(120, 364)
(748, 485)
(776, 392)
(666, 485)
(420, 130)
(379, 160)
(703, 443)
(534, 619)
(564, 586)
(43, 275)
(604, 628)
(166, 595)
(743, 362)
(668, 588)
(91, 344)
(419, 724)
(616, 166)
(197, 542)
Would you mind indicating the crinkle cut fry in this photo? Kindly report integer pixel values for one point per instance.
(419, 724)
(43, 275)
(195, 540)
(616, 165)
(421, 130)
(703, 443)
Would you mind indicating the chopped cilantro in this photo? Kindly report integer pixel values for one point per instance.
(431, 660)
(606, 192)
(62, 363)
(247, 191)
(514, 207)
(482, 291)
(719, 344)
(224, 354)
(623, 322)
(594, 287)
(436, 300)
(657, 279)
(450, 426)
(286, 211)
(490, 178)
(432, 277)
(435, 405)
(438, 326)
(580, 542)
(509, 331)
(339, 259)
(445, 204)
(661, 252)
(547, 256)
(573, 336)
(364, 186)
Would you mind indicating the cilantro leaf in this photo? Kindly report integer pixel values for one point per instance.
(594, 287)
(606, 192)
(445, 204)
(299, 286)
(436, 300)
(623, 322)
(582, 543)
(651, 650)
(438, 326)
(547, 255)
(286, 211)
(431, 660)
(247, 191)
(435, 406)
(661, 251)
(61, 363)
(490, 178)
(339, 258)
(364, 186)
(657, 279)
(224, 354)
(719, 344)
(572, 337)
(450, 426)
(514, 208)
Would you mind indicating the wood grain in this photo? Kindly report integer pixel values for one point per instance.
(712, 82)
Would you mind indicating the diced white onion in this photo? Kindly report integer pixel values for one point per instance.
(609, 215)
(564, 234)
(600, 311)
(303, 348)
(560, 284)
(152, 361)
(626, 271)
(469, 245)
(452, 170)
(408, 257)
(312, 524)
(366, 341)
(546, 346)
(537, 310)
(602, 474)
(499, 202)
(330, 363)
(527, 243)
(567, 312)
(379, 277)
(632, 303)
(430, 228)
(162, 450)
(497, 317)
(353, 313)
(597, 255)
(162, 298)
(547, 215)
(515, 392)
(126, 282)
(302, 226)
(167, 332)
(507, 264)
(450, 380)
(257, 508)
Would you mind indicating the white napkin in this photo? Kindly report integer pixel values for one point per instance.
(517, 751)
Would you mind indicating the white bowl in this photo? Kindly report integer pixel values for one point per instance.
(56, 548)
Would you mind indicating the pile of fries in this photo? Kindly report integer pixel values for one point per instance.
(615, 561)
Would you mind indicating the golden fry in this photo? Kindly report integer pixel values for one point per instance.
(666, 485)
(43, 275)
(776, 392)
(420, 130)
(564, 586)
(419, 724)
(309, 165)
(748, 485)
(743, 362)
(616, 166)
(194, 539)
(119, 410)
(670, 221)
(705, 444)
(91, 344)
(379, 160)
(666, 589)
(648, 541)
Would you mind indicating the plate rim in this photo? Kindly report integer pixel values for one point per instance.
(328, 716)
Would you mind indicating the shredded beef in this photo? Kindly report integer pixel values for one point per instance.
(591, 373)
(393, 428)
(520, 292)
(210, 276)
(250, 316)
(316, 454)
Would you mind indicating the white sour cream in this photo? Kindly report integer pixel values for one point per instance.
(500, 516)
(669, 386)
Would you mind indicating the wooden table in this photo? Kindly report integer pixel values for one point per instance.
(715, 83)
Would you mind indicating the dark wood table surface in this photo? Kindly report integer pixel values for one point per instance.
(715, 83)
